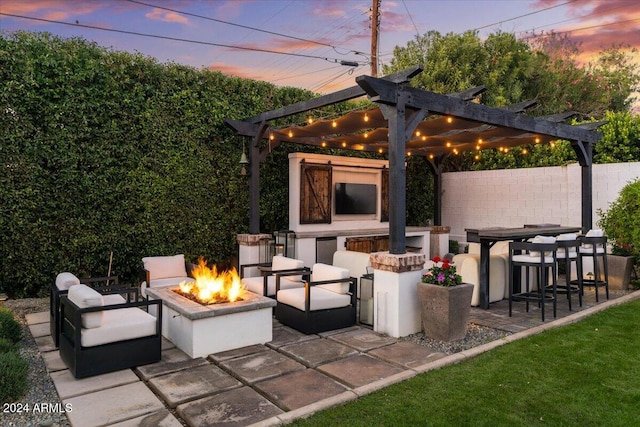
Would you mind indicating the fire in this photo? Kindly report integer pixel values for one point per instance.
(211, 286)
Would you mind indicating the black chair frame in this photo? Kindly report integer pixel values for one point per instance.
(540, 296)
(599, 278)
(571, 286)
(145, 275)
(265, 270)
(315, 321)
(89, 361)
(110, 282)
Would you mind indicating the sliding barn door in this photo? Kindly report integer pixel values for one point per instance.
(315, 194)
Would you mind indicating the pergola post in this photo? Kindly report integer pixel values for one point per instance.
(254, 180)
(435, 165)
(584, 152)
(397, 176)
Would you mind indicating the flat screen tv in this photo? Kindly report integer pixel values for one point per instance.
(355, 199)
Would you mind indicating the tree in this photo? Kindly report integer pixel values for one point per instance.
(620, 139)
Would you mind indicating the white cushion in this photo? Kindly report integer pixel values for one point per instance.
(280, 262)
(468, 267)
(321, 299)
(355, 262)
(256, 284)
(322, 272)
(595, 232)
(567, 236)
(163, 283)
(161, 267)
(65, 280)
(84, 297)
(499, 247)
(113, 299)
(531, 258)
(573, 252)
(541, 239)
(588, 249)
(120, 325)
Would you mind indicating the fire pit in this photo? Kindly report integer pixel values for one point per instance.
(203, 328)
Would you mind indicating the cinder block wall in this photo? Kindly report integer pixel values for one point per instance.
(514, 197)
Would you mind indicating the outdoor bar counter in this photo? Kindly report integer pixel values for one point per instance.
(488, 236)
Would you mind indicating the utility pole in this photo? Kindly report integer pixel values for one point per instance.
(375, 35)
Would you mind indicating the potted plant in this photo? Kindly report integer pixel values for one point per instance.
(445, 302)
(622, 227)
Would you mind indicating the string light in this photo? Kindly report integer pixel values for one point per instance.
(310, 120)
(524, 151)
(334, 124)
(417, 133)
(449, 119)
(431, 156)
(366, 117)
(537, 140)
(476, 157)
(272, 136)
(448, 144)
(344, 144)
(380, 150)
(324, 144)
(424, 138)
(290, 134)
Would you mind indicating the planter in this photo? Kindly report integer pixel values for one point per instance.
(620, 268)
(445, 310)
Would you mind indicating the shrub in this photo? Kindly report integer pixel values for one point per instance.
(621, 222)
(6, 345)
(10, 329)
(13, 376)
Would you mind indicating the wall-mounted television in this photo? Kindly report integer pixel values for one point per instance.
(355, 199)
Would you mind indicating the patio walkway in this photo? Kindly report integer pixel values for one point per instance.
(290, 377)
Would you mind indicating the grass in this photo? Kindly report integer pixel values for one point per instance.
(584, 374)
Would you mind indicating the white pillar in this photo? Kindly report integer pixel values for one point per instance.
(395, 301)
(249, 251)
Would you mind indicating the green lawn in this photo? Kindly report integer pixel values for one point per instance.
(585, 374)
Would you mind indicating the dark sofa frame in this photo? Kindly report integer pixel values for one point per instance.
(55, 294)
(315, 321)
(88, 361)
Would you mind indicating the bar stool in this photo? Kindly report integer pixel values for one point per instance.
(567, 253)
(538, 256)
(594, 246)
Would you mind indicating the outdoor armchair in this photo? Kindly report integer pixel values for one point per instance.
(96, 338)
(163, 271)
(326, 302)
(65, 280)
(468, 267)
(289, 269)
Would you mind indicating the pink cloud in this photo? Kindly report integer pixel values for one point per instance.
(232, 70)
(48, 9)
(166, 16)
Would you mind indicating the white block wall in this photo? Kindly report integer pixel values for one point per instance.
(514, 197)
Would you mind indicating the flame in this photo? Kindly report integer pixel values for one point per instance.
(211, 286)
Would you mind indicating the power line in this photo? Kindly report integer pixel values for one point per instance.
(135, 33)
(411, 17)
(526, 14)
(582, 28)
(246, 27)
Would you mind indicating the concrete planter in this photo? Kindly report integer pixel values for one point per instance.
(445, 310)
(620, 268)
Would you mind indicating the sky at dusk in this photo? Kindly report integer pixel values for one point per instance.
(302, 42)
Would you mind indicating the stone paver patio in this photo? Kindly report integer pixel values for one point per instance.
(292, 376)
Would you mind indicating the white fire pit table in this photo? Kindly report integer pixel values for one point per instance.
(200, 330)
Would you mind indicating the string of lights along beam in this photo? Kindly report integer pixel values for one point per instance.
(366, 130)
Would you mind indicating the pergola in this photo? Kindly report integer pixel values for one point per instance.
(411, 121)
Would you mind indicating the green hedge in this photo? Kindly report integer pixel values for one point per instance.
(110, 151)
